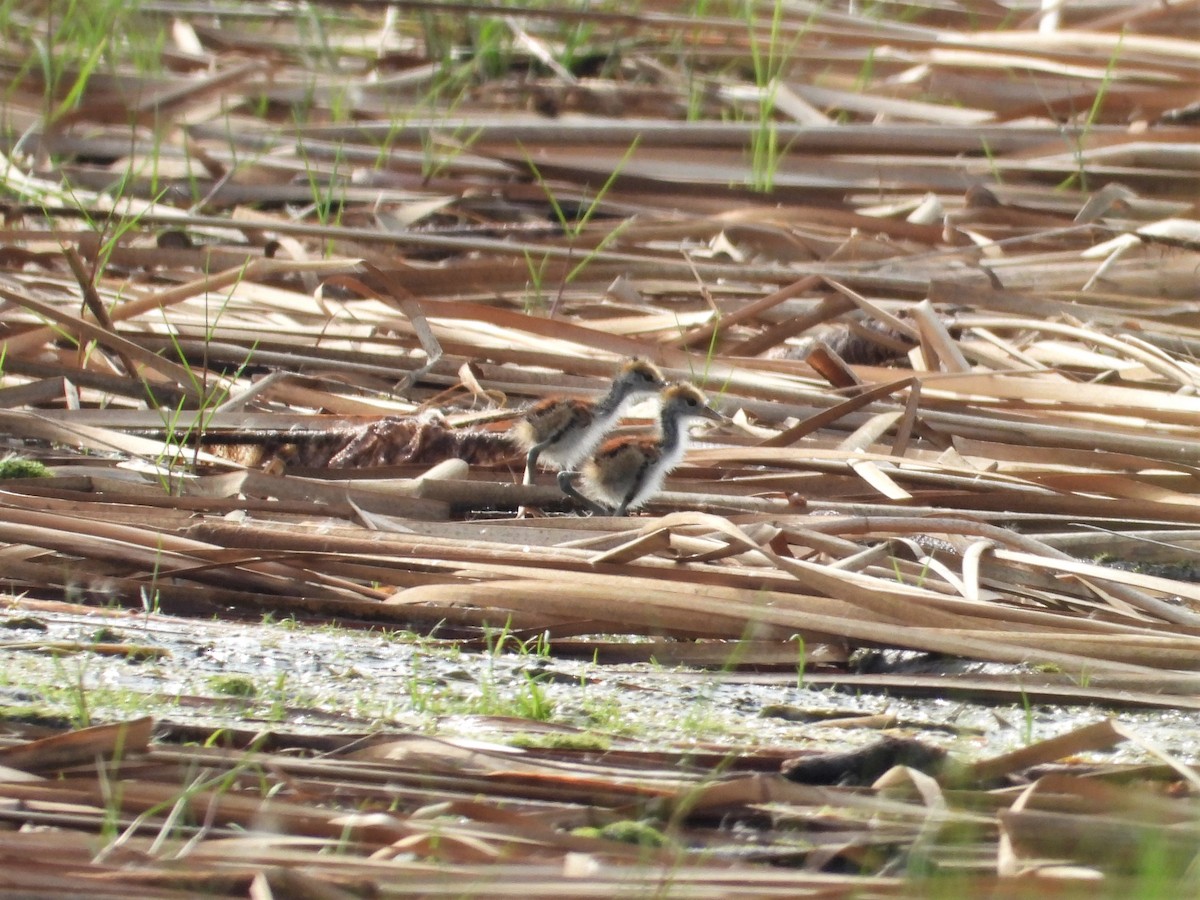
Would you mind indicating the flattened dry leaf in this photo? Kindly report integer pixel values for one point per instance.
(79, 747)
(1099, 736)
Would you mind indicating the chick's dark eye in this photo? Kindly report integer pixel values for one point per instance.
(691, 401)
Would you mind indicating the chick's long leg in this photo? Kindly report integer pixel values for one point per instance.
(566, 483)
(531, 459)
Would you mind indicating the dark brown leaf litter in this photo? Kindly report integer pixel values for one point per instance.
(412, 440)
(866, 764)
(550, 819)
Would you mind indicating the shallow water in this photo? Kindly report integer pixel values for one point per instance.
(324, 679)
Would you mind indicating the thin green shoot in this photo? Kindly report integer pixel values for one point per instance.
(921, 575)
(151, 594)
(177, 438)
(111, 787)
(1080, 176)
(281, 697)
(535, 298)
(866, 72)
(574, 228)
(113, 226)
(768, 66)
(76, 690)
(439, 151)
(611, 236)
(84, 75)
(177, 807)
(328, 192)
(314, 31)
(1027, 725)
(993, 162)
(801, 659)
(574, 42)
(532, 701)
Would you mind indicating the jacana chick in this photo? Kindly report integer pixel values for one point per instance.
(627, 471)
(564, 431)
